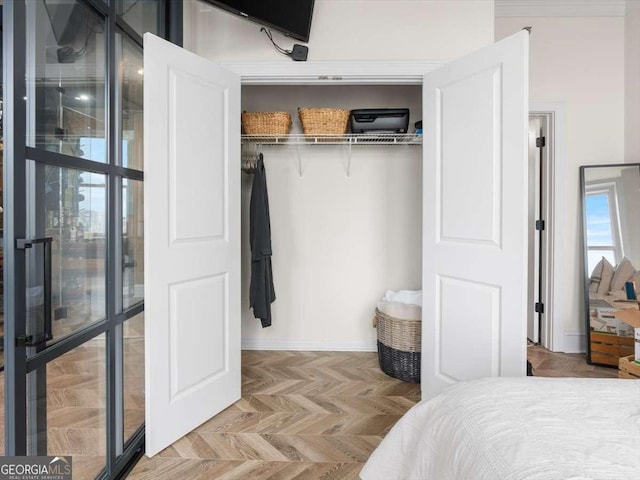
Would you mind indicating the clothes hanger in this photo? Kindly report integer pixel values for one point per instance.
(249, 158)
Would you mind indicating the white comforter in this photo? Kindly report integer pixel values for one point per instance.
(517, 428)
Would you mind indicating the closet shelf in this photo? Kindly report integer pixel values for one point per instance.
(346, 139)
(254, 142)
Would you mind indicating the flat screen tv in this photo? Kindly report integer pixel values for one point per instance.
(291, 17)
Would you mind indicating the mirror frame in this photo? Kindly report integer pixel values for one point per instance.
(585, 260)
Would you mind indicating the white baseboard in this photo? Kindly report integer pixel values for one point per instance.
(303, 345)
(574, 342)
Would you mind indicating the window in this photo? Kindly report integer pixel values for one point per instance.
(603, 225)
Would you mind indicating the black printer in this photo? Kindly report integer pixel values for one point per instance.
(383, 120)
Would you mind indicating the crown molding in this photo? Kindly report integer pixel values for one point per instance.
(560, 8)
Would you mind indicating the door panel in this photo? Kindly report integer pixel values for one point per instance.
(480, 224)
(192, 241)
(455, 324)
(475, 213)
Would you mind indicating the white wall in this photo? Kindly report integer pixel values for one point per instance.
(350, 30)
(632, 81)
(339, 242)
(579, 62)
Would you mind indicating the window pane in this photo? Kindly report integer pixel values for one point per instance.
(132, 242)
(72, 211)
(599, 231)
(67, 415)
(66, 79)
(141, 15)
(130, 101)
(133, 340)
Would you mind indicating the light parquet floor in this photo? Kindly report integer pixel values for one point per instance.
(309, 415)
(303, 415)
(549, 364)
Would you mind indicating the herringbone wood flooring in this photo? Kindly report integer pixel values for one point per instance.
(309, 415)
(548, 364)
(303, 415)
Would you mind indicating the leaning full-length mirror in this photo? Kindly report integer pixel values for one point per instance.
(611, 223)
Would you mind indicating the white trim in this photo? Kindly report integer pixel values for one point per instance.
(554, 313)
(560, 8)
(538, 269)
(575, 341)
(392, 72)
(304, 345)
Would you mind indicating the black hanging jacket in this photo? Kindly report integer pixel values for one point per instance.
(261, 291)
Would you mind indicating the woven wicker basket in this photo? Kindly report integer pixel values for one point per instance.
(323, 121)
(266, 123)
(399, 346)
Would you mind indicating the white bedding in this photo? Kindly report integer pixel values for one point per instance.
(517, 428)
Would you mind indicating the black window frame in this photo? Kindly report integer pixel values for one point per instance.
(16, 156)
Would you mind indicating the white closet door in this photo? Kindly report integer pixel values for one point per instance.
(475, 216)
(192, 241)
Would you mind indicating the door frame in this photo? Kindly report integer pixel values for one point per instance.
(409, 72)
(331, 73)
(554, 113)
(337, 73)
(537, 161)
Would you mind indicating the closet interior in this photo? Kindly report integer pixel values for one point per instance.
(346, 219)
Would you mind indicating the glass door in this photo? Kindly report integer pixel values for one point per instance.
(73, 248)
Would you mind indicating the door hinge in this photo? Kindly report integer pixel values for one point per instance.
(539, 225)
(539, 307)
(541, 142)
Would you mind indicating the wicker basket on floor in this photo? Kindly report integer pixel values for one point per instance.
(399, 343)
(323, 121)
(266, 123)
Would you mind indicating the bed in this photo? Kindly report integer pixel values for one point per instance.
(514, 429)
